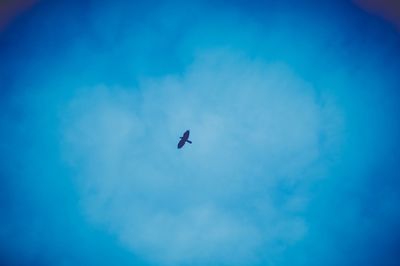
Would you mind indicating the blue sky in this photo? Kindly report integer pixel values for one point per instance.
(294, 117)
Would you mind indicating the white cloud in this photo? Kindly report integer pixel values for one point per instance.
(259, 134)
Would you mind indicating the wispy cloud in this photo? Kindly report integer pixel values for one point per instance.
(293, 117)
(256, 128)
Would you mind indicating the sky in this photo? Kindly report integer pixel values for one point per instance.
(293, 111)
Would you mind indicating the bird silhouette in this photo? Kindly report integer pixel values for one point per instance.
(184, 139)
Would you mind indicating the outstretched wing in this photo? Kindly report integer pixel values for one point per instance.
(181, 143)
(186, 134)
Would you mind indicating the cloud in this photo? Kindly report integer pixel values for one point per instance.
(259, 133)
(274, 95)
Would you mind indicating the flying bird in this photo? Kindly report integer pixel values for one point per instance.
(184, 139)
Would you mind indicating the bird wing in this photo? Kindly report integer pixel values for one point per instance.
(181, 143)
(186, 134)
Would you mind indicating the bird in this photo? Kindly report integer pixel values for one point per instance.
(184, 139)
